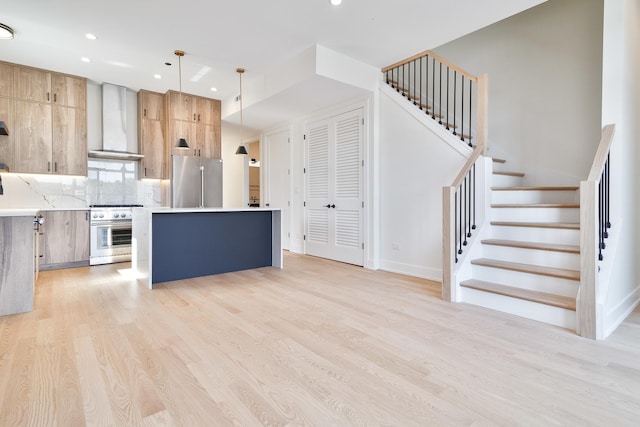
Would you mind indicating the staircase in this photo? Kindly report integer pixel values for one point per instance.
(530, 254)
(509, 247)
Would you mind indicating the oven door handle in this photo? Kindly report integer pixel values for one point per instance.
(113, 224)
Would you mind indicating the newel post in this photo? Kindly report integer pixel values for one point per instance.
(586, 299)
(482, 122)
(448, 244)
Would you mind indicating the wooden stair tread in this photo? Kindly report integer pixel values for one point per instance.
(557, 225)
(534, 188)
(497, 160)
(536, 205)
(552, 247)
(559, 301)
(560, 273)
(506, 173)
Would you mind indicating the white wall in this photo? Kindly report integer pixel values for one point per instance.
(414, 164)
(545, 92)
(621, 105)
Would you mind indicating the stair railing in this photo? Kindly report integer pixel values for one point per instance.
(594, 229)
(459, 220)
(455, 98)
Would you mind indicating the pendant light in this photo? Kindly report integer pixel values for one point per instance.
(182, 143)
(241, 148)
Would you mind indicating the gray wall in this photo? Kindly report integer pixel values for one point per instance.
(545, 76)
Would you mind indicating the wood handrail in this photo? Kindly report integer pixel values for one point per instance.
(601, 154)
(433, 55)
(477, 151)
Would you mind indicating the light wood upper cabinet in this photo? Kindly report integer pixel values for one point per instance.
(32, 137)
(7, 110)
(180, 107)
(6, 80)
(65, 237)
(69, 91)
(31, 84)
(151, 135)
(47, 121)
(69, 141)
(201, 127)
(151, 105)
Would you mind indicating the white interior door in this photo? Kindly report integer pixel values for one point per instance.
(334, 220)
(276, 152)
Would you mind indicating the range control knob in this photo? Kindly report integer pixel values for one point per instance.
(95, 215)
(101, 216)
(116, 215)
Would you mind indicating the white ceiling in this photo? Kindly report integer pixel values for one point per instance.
(136, 37)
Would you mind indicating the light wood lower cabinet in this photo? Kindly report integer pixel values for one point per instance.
(65, 239)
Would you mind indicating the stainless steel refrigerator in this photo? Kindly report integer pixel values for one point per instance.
(196, 182)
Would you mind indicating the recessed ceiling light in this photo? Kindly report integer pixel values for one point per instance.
(85, 59)
(214, 89)
(91, 36)
(157, 76)
(6, 33)
(335, 2)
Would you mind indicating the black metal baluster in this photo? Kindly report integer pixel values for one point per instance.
(440, 95)
(600, 238)
(415, 97)
(473, 227)
(426, 96)
(447, 115)
(608, 166)
(420, 94)
(433, 88)
(465, 212)
(455, 98)
(469, 205)
(470, 108)
(460, 223)
(462, 113)
(455, 215)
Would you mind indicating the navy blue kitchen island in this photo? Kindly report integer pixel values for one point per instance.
(174, 244)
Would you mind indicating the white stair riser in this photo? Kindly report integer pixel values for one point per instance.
(506, 181)
(532, 256)
(534, 196)
(536, 214)
(534, 234)
(535, 282)
(527, 309)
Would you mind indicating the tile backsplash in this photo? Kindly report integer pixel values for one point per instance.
(108, 182)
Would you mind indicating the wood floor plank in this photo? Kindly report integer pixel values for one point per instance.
(316, 343)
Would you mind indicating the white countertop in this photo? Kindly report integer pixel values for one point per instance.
(196, 210)
(19, 212)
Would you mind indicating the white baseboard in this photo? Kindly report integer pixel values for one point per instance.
(617, 314)
(411, 270)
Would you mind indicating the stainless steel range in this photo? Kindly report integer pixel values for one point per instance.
(110, 234)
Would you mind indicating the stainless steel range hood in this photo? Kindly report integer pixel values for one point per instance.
(114, 125)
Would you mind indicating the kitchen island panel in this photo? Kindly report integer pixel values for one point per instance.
(173, 244)
(200, 244)
(16, 264)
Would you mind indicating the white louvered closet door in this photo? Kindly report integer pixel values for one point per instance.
(334, 188)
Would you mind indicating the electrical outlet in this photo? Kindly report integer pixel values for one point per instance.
(395, 246)
(79, 192)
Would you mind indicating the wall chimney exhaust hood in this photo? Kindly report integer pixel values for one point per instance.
(3, 129)
(114, 125)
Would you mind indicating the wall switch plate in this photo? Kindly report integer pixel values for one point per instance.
(395, 246)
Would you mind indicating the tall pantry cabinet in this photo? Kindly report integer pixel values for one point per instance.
(47, 121)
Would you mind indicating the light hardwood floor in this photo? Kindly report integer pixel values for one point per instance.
(318, 343)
